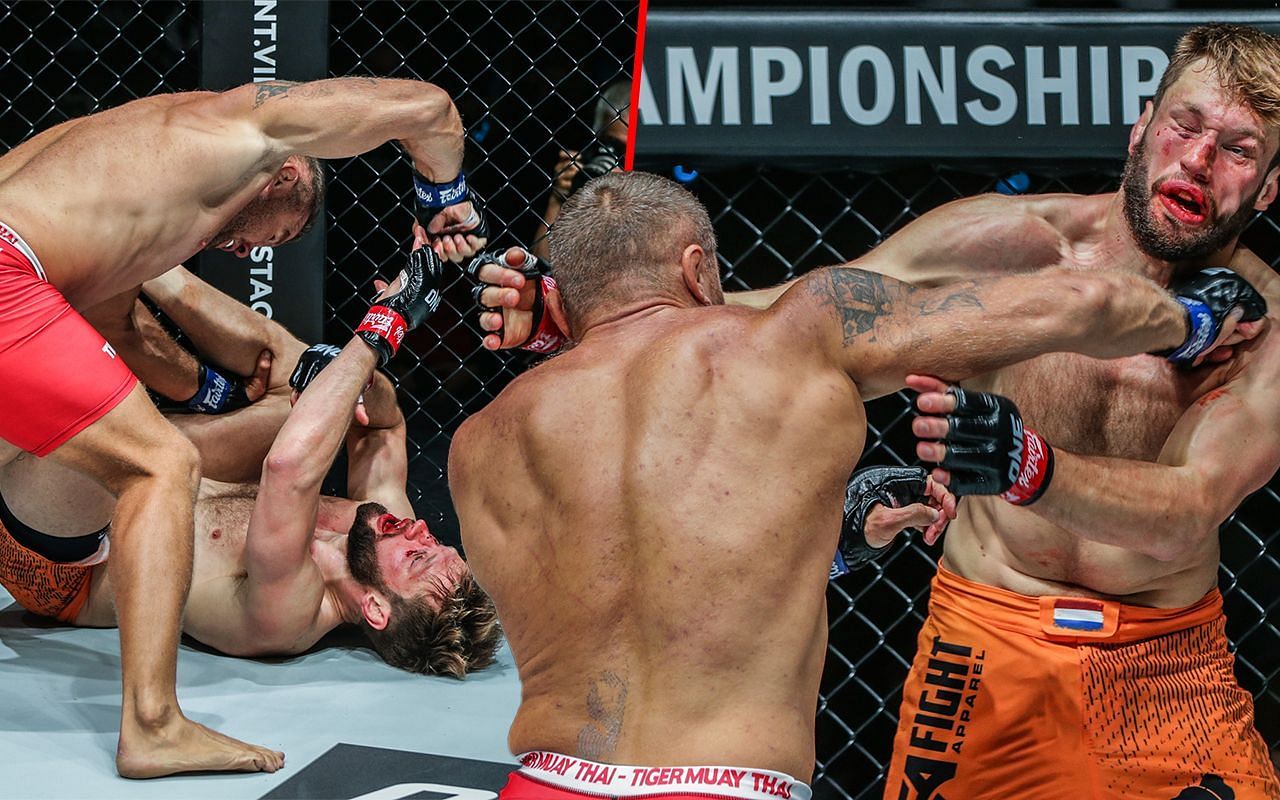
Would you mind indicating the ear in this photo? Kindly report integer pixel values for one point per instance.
(693, 262)
(287, 175)
(376, 609)
(555, 307)
(1268, 193)
(1140, 127)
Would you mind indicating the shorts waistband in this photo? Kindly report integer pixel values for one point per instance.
(11, 236)
(617, 780)
(1064, 618)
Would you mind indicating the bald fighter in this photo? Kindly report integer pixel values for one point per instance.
(1149, 459)
(94, 207)
(655, 509)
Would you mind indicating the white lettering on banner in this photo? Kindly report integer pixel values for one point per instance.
(264, 41)
(1065, 85)
(263, 256)
(868, 78)
(721, 82)
(982, 80)
(942, 90)
(764, 87)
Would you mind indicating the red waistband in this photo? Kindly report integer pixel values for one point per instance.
(617, 780)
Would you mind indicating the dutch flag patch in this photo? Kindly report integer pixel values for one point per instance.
(1077, 615)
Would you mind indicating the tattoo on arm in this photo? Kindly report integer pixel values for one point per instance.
(269, 89)
(606, 703)
(863, 297)
(859, 296)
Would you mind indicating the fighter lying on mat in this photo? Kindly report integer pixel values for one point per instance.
(277, 565)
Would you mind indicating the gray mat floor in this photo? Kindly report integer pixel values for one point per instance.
(60, 707)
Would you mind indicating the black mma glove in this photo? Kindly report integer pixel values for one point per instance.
(313, 359)
(433, 197)
(894, 487)
(990, 452)
(218, 393)
(390, 318)
(545, 335)
(1209, 295)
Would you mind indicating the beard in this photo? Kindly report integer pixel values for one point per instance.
(1164, 244)
(258, 209)
(362, 552)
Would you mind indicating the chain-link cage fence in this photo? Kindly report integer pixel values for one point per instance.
(774, 224)
(529, 78)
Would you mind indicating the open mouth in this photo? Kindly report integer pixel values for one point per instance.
(1184, 202)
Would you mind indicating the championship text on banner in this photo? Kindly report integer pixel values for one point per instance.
(255, 41)
(818, 85)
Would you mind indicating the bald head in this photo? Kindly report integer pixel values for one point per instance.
(621, 238)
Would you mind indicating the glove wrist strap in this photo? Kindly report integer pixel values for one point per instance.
(435, 196)
(1034, 471)
(547, 336)
(383, 324)
(214, 392)
(1202, 330)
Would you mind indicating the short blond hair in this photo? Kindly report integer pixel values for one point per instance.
(1245, 60)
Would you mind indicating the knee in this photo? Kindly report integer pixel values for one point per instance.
(170, 459)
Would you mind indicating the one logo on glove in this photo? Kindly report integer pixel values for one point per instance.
(1015, 455)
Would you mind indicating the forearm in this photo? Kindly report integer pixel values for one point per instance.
(310, 438)
(152, 354)
(227, 332)
(1118, 314)
(1220, 450)
(1155, 509)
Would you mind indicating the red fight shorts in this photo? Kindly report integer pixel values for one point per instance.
(551, 776)
(58, 374)
(1073, 698)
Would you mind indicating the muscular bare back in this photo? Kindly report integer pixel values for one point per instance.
(111, 200)
(697, 475)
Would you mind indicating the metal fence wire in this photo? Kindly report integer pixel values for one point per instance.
(526, 77)
(774, 224)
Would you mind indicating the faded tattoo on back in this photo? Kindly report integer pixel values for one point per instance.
(606, 702)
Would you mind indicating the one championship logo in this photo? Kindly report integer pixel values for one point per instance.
(1015, 455)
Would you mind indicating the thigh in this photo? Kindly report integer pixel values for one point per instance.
(987, 713)
(131, 440)
(1167, 714)
(232, 446)
(59, 374)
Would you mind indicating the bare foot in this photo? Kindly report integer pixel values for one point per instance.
(181, 745)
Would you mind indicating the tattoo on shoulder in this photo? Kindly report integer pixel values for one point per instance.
(606, 702)
(859, 296)
(269, 89)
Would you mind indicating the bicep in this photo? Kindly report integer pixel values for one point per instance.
(879, 330)
(983, 235)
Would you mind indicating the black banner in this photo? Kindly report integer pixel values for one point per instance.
(264, 40)
(357, 772)
(846, 84)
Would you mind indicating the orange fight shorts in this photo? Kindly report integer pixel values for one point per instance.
(42, 586)
(1068, 698)
(59, 375)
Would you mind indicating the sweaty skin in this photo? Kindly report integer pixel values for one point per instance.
(110, 200)
(654, 510)
(1155, 457)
